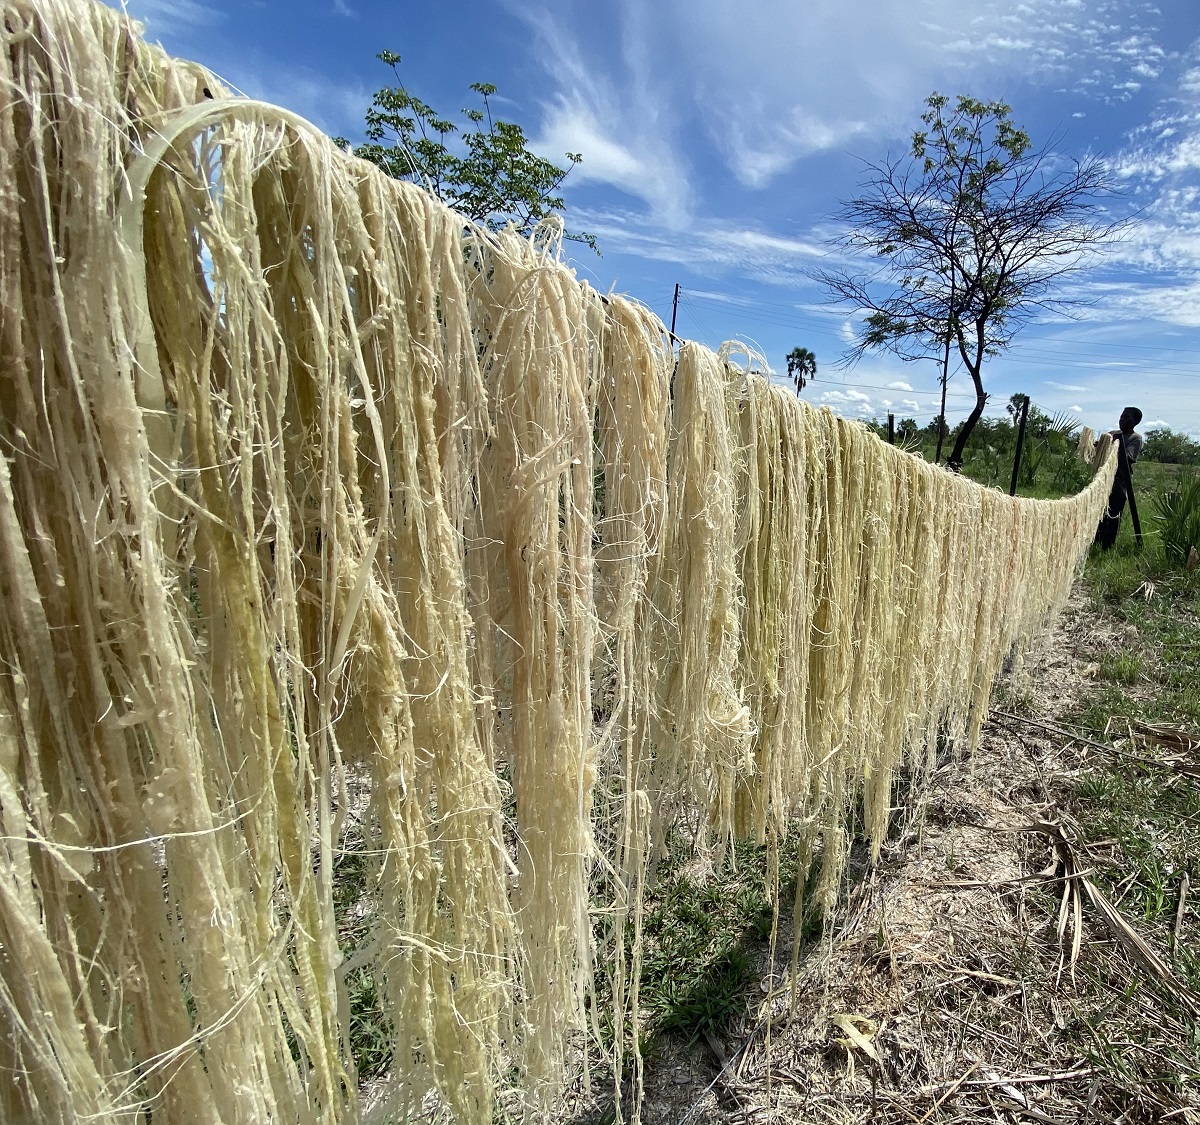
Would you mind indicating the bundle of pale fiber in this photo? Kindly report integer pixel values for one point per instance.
(306, 480)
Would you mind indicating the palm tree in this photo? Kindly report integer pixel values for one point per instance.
(802, 367)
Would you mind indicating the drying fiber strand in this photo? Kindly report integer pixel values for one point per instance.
(337, 534)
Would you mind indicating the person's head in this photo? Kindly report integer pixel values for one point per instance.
(1130, 417)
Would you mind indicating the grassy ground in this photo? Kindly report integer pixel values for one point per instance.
(702, 941)
(1137, 810)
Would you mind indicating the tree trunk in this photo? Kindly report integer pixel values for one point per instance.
(955, 460)
(975, 370)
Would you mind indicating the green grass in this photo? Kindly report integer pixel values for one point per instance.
(1145, 818)
(1122, 667)
(1141, 820)
(703, 940)
(370, 1029)
(1176, 515)
(1131, 589)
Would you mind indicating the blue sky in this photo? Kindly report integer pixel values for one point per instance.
(718, 139)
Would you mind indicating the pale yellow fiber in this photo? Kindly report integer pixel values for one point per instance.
(333, 528)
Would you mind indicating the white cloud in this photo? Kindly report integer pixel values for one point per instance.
(769, 81)
(850, 401)
(796, 80)
(621, 122)
(1065, 386)
(571, 126)
(1177, 304)
(848, 395)
(1077, 409)
(899, 385)
(341, 8)
(1154, 274)
(707, 246)
(171, 17)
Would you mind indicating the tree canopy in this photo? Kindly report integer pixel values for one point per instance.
(971, 235)
(1164, 445)
(483, 168)
(801, 366)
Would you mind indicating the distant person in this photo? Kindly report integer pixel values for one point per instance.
(1106, 533)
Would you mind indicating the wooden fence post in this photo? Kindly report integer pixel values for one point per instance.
(1012, 488)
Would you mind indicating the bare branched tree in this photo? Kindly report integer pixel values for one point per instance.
(975, 230)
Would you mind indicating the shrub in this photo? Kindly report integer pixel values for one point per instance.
(1177, 512)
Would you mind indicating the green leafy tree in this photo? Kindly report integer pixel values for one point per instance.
(801, 367)
(976, 231)
(1170, 448)
(483, 168)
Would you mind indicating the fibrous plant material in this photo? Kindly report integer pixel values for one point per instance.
(1094, 449)
(632, 433)
(308, 482)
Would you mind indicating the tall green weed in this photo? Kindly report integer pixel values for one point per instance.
(1177, 513)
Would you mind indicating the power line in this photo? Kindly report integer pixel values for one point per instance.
(742, 301)
(752, 304)
(935, 392)
(778, 321)
(700, 320)
(755, 310)
(687, 301)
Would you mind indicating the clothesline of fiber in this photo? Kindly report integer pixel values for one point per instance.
(333, 524)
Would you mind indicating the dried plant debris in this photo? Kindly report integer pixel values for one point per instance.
(984, 961)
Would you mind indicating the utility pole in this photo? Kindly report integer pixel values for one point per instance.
(891, 429)
(674, 308)
(951, 327)
(937, 457)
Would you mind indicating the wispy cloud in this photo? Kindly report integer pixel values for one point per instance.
(620, 120)
(1154, 273)
(766, 82)
(172, 17)
(707, 246)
